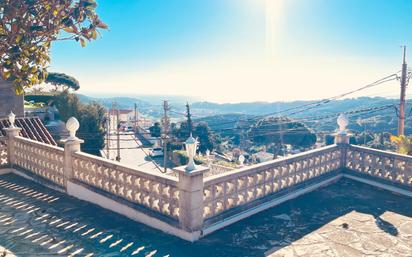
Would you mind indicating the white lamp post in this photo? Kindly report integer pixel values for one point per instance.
(191, 147)
(12, 119)
(208, 157)
(241, 160)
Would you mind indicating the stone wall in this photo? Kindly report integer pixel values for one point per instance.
(9, 101)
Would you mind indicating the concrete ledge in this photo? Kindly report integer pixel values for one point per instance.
(6, 171)
(37, 179)
(380, 185)
(264, 206)
(88, 195)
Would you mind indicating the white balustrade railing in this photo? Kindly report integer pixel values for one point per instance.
(158, 192)
(238, 187)
(381, 164)
(172, 196)
(3, 152)
(44, 160)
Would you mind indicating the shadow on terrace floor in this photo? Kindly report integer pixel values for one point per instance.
(264, 234)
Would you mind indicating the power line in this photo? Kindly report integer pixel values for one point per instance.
(316, 104)
(316, 118)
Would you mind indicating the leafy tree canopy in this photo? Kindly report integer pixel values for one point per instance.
(62, 80)
(156, 130)
(205, 137)
(282, 131)
(91, 118)
(27, 28)
(404, 144)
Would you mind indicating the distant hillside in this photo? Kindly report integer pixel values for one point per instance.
(262, 108)
(224, 116)
(376, 121)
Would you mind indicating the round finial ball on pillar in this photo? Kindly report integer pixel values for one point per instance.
(72, 125)
(342, 123)
(12, 119)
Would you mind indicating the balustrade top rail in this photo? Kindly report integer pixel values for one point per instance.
(266, 165)
(163, 178)
(220, 195)
(39, 145)
(42, 159)
(381, 152)
(238, 187)
(393, 167)
(156, 192)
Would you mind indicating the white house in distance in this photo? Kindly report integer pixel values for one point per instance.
(127, 117)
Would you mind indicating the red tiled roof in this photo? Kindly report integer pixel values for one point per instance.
(32, 128)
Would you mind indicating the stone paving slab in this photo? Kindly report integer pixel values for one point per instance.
(355, 234)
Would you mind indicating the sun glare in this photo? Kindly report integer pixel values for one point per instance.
(273, 15)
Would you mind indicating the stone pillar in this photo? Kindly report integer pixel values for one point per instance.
(342, 139)
(9, 101)
(70, 146)
(191, 198)
(11, 133)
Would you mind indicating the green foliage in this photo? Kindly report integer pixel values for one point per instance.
(181, 157)
(62, 80)
(33, 105)
(47, 99)
(364, 138)
(207, 140)
(156, 130)
(329, 139)
(282, 131)
(91, 118)
(205, 137)
(404, 144)
(27, 29)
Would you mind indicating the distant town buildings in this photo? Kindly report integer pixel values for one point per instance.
(127, 119)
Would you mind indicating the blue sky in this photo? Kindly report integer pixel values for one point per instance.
(240, 50)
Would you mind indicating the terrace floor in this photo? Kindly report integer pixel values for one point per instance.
(344, 219)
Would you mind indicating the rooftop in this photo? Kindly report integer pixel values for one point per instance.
(32, 128)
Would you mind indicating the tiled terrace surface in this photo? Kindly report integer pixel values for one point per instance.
(345, 219)
(356, 234)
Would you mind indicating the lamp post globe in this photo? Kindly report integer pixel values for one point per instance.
(191, 147)
(12, 119)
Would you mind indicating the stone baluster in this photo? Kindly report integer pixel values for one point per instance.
(12, 132)
(71, 145)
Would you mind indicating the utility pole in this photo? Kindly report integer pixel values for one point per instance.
(401, 121)
(135, 118)
(189, 119)
(165, 126)
(118, 132)
(108, 134)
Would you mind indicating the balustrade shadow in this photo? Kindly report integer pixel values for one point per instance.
(258, 235)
